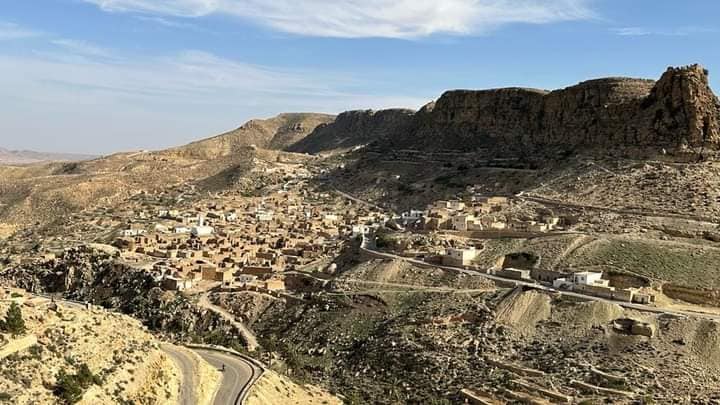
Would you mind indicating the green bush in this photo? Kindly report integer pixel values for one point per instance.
(70, 387)
(36, 352)
(86, 378)
(14, 323)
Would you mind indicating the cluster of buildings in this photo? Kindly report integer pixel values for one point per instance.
(480, 213)
(245, 241)
(584, 282)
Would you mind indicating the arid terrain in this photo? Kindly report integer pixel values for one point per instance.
(496, 246)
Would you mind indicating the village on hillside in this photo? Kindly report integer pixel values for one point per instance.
(232, 240)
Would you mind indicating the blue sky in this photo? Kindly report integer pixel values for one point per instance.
(98, 76)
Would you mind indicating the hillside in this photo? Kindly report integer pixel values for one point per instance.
(125, 362)
(386, 336)
(43, 195)
(274, 133)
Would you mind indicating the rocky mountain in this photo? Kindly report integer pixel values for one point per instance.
(274, 133)
(679, 110)
(353, 128)
(17, 157)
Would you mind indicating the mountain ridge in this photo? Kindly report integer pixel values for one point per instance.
(677, 111)
(9, 156)
(273, 133)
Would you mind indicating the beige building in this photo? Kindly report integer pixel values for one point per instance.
(460, 257)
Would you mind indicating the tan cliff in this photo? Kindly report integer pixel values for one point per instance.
(679, 110)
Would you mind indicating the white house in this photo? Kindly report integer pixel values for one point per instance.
(412, 214)
(132, 232)
(589, 278)
(181, 229)
(201, 229)
(264, 216)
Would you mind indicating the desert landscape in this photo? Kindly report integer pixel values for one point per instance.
(417, 202)
(352, 261)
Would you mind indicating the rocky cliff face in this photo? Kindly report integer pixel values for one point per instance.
(679, 110)
(353, 128)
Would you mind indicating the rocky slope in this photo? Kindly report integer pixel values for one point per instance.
(87, 275)
(125, 362)
(679, 110)
(274, 388)
(353, 128)
(390, 345)
(274, 133)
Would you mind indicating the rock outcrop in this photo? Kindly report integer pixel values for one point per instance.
(678, 111)
(353, 128)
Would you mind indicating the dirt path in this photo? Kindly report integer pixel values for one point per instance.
(577, 243)
(407, 287)
(246, 333)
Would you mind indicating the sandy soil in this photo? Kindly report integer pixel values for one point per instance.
(273, 388)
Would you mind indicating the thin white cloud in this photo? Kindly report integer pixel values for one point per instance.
(83, 48)
(166, 22)
(677, 32)
(9, 31)
(631, 31)
(368, 18)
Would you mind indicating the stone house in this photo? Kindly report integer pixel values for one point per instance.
(460, 257)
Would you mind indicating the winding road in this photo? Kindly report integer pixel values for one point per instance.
(186, 365)
(238, 377)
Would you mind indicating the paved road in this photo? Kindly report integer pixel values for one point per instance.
(236, 379)
(186, 365)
